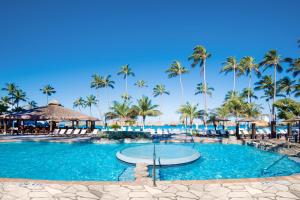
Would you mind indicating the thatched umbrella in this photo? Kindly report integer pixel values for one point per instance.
(53, 112)
(221, 119)
(289, 121)
(253, 125)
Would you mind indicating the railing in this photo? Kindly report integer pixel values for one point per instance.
(264, 171)
(154, 166)
(121, 174)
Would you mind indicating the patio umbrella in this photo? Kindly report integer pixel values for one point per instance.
(296, 119)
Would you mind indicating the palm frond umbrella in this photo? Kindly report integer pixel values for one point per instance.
(253, 124)
(293, 120)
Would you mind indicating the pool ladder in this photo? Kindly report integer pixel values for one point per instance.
(265, 170)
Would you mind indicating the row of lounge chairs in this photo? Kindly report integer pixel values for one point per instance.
(72, 132)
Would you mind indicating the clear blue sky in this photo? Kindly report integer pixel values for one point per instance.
(63, 42)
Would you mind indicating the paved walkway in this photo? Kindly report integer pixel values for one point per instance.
(282, 188)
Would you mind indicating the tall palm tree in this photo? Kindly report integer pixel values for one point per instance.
(79, 103)
(141, 84)
(189, 111)
(97, 83)
(90, 101)
(10, 88)
(126, 71)
(32, 104)
(231, 94)
(176, 69)
(200, 56)
(6, 100)
(248, 66)
(249, 94)
(294, 66)
(286, 85)
(297, 89)
(48, 90)
(122, 111)
(145, 108)
(200, 89)
(231, 65)
(160, 90)
(274, 60)
(108, 84)
(126, 97)
(18, 96)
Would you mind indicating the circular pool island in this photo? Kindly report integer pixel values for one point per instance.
(169, 154)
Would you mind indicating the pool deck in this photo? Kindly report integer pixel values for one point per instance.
(279, 188)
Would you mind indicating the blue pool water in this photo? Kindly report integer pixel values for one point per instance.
(87, 162)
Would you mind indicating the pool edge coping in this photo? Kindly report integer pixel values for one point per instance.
(184, 182)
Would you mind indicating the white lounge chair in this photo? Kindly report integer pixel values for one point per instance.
(69, 131)
(83, 132)
(76, 132)
(95, 132)
(62, 131)
(55, 132)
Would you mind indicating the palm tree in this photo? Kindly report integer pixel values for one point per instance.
(126, 97)
(286, 85)
(297, 89)
(10, 88)
(145, 108)
(160, 90)
(176, 69)
(231, 94)
(200, 56)
(294, 66)
(248, 66)
(18, 96)
(121, 111)
(287, 108)
(6, 100)
(249, 94)
(189, 111)
(91, 100)
(79, 103)
(108, 83)
(231, 65)
(48, 90)
(32, 104)
(200, 89)
(141, 84)
(126, 72)
(274, 60)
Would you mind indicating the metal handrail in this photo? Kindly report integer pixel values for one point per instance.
(154, 166)
(121, 174)
(273, 164)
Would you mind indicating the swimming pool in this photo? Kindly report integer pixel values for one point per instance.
(97, 162)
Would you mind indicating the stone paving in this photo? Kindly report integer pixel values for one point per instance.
(282, 188)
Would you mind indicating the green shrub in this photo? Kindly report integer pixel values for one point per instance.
(117, 135)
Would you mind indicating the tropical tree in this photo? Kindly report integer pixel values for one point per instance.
(145, 108)
(32, 104)
(6, 100)
(189, 111)
(286, 85)
(231, 65)
(176, 69)
(273, 60)
(160, 90)
(231, 94)
(90, 101)
(297, 89)
(48, 90)
(200, 56)
(294, 66)
(122, 111)
(248, 66)
(248, 93)
(79, 103)
(19, 96)
(287, 108)
(108, 84)
(200, 89)
(126, 97)
(141, 84)
(10, 88)
(251, 110)
(126, 71)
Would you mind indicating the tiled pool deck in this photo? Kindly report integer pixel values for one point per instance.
(279, 188)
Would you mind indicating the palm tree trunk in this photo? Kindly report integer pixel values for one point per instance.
(181, 86)
(234, 76)
(273, 123)
(205, 92)
(47, 99)
(249, 87)
(90, 110)
(144, 120)
(126, 85)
